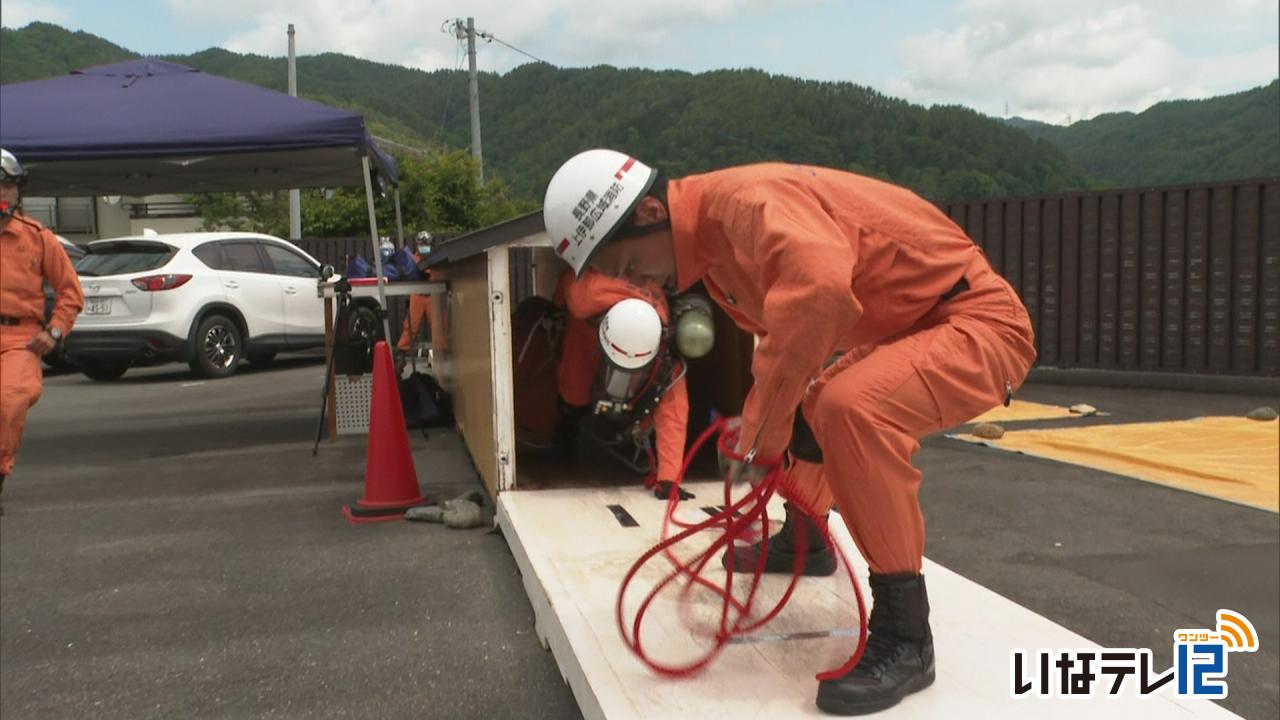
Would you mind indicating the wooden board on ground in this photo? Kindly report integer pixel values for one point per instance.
(573, 553)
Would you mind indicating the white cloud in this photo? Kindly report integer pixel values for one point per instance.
(1048, 60)
(20, 13)
(407, 32)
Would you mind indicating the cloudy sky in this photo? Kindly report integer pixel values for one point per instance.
(1045, 59)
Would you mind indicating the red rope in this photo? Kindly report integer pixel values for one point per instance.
(739, 520)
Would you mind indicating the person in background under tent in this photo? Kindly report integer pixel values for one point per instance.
(30, 256)
(816, 262)
(420, 306)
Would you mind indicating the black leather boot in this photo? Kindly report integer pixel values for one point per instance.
(898, 659)
(819, 559)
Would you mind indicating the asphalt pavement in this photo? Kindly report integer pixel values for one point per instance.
(171, 549)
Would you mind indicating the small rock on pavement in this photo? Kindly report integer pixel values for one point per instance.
(1083, 409)
(1263, 413)
(432, 514)
(988, 431)
(463, 514)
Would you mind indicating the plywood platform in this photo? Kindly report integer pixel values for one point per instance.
(573, 553)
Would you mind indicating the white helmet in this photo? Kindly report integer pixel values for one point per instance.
(10, 169)
(631, 333)
(588, 199)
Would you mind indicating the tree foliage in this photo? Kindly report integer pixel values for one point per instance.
(439, 193)
(1180, 141)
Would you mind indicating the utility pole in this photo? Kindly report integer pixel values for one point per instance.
(295, 198)
(475, 99)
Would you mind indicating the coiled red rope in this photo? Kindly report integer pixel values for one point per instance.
(742, 519)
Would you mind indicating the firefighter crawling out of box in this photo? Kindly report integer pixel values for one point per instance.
(819, 263)
(618, 352)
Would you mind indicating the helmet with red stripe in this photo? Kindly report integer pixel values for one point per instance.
(589, 198)
(631, 334)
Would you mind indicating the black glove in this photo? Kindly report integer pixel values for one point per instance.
(804, 446)
(662, 491)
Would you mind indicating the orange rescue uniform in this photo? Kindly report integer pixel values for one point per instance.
(587, 298)
(30, 256)
(817, 261)
(420, 311)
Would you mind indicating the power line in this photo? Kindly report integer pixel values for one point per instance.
(490, 37)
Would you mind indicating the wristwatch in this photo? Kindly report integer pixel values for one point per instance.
(56, 334)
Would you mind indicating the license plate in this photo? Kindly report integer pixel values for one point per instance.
(97, 306)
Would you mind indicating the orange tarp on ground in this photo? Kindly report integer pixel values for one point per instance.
(1230, 458)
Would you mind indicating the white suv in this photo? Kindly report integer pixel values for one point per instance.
(208, 299)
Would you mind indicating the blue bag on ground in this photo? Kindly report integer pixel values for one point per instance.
(407, 264)
(424, 402)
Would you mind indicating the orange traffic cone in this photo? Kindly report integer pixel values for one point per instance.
(390, 481)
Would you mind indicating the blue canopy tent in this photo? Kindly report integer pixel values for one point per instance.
(149, 126)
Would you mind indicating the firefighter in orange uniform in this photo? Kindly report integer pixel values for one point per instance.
(819, 262)
(587, 299)
(420, 306)
(30, 256)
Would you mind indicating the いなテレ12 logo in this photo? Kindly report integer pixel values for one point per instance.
(1200, 665)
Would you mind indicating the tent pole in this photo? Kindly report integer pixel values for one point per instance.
(295, 198)
(399, 224)
(377, 254)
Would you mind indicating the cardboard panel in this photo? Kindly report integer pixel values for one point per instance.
(470, 356)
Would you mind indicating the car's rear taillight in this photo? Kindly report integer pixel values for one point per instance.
(151, 283)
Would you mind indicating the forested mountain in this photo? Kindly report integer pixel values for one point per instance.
(1179, 141)
(537, 115)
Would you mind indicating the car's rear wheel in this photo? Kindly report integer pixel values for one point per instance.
(216, 348)
(103, 370)
(365, 325)
(58, 360)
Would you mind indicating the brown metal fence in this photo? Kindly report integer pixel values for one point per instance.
(1180, 278)
(335, 250)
